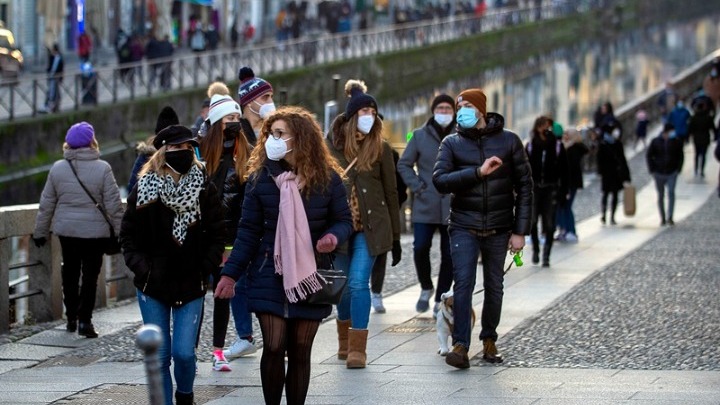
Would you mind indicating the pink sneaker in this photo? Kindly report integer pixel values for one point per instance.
(219, 362)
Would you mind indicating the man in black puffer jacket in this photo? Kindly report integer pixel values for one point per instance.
(486, 170)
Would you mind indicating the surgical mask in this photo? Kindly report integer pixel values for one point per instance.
(365, 123)
(276, 149)
(466, 117)
(443, 119)
(180, 161)
(265, 109)
(673, 134)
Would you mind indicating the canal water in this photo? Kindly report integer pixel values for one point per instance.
(568, 83)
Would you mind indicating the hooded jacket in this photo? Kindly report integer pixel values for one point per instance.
(499, 201)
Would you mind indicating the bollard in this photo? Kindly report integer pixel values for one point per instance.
(149, 340)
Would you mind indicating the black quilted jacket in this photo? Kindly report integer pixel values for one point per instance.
(501, 200)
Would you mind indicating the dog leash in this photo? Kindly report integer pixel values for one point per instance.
(517, 260)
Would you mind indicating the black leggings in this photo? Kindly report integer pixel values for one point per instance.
(613, 203)
(294, 336)
(377, 277)
(221, 314)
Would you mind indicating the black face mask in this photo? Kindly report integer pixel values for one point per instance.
(179, 160)
(231, 131)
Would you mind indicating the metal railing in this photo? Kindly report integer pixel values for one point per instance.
(26, 96)
(40, 277)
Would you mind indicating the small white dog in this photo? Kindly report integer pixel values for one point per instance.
(446, 321)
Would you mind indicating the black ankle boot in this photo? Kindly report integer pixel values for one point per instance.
(71, 325)
(87, 330)
(184, 399)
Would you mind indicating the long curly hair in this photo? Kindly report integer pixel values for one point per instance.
(313, 161)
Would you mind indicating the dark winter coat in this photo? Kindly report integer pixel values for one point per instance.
(231, 193)
(665, 156)
(575, 153)
(612, 165)
(503, 199)
(327, 212)
(163, 269)
(700, 127)
(377, 196)
(415, 166)
(548, 163)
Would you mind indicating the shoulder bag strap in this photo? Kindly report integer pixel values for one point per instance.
(347, 169)
(97, 205)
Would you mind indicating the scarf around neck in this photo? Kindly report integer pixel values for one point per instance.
(294, 256)
(182, 198)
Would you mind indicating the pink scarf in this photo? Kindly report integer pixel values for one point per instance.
(294, 255)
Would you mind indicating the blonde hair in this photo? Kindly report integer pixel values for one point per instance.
(156, 163)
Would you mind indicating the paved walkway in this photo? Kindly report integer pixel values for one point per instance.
(403, 365)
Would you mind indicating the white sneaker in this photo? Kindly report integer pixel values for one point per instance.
(377, 303)
(423, 303)
(571, 238)
(241, 347)
(219, 362)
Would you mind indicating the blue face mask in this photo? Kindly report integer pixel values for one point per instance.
(466, 117)
(673, 134)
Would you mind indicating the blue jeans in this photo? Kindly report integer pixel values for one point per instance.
(465, 246)
(355, 301)
(181, 347)
(423, 236)
(662, 181)
(239, 307)
(565, 215)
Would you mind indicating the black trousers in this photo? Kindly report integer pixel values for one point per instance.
(82, 261)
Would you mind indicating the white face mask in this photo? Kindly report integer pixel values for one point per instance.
(443, 119)
(276, 149)
(365, 123)
(265, 109)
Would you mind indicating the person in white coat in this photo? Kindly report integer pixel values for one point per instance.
(67, 210)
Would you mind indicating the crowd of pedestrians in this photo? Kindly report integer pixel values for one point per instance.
(252, 200)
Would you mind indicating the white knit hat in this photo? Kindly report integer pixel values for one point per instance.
(221, 106)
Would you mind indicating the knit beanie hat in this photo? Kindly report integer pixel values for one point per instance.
(251, 87)
(167, 117)
(355, 89)
(557, 130)
(476, 97)
(221, 106)
(442, 98)
(80, 135)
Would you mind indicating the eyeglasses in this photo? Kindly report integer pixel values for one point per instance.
(277, 134)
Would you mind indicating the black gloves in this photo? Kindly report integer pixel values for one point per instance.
(40, 242)
(396, 253)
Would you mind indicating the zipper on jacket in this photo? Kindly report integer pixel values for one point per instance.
(484, 183)
(147, 280)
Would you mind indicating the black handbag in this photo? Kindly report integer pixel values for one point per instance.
(333, 284)
(111, 245)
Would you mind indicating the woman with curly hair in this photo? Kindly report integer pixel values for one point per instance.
(355, 140)
(295, 206)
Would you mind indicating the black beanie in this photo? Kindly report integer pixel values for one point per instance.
(355, 89)
(166, 118)
(442, 98)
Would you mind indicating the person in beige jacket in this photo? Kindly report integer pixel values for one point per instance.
(67, 211)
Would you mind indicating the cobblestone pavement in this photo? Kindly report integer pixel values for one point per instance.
(612, 320)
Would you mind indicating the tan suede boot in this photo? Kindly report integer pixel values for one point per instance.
(357, 342)
(342, 329)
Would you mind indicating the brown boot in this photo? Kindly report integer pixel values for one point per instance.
(342, 329)
(490, 352)
(458, 357)
(357, 342)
